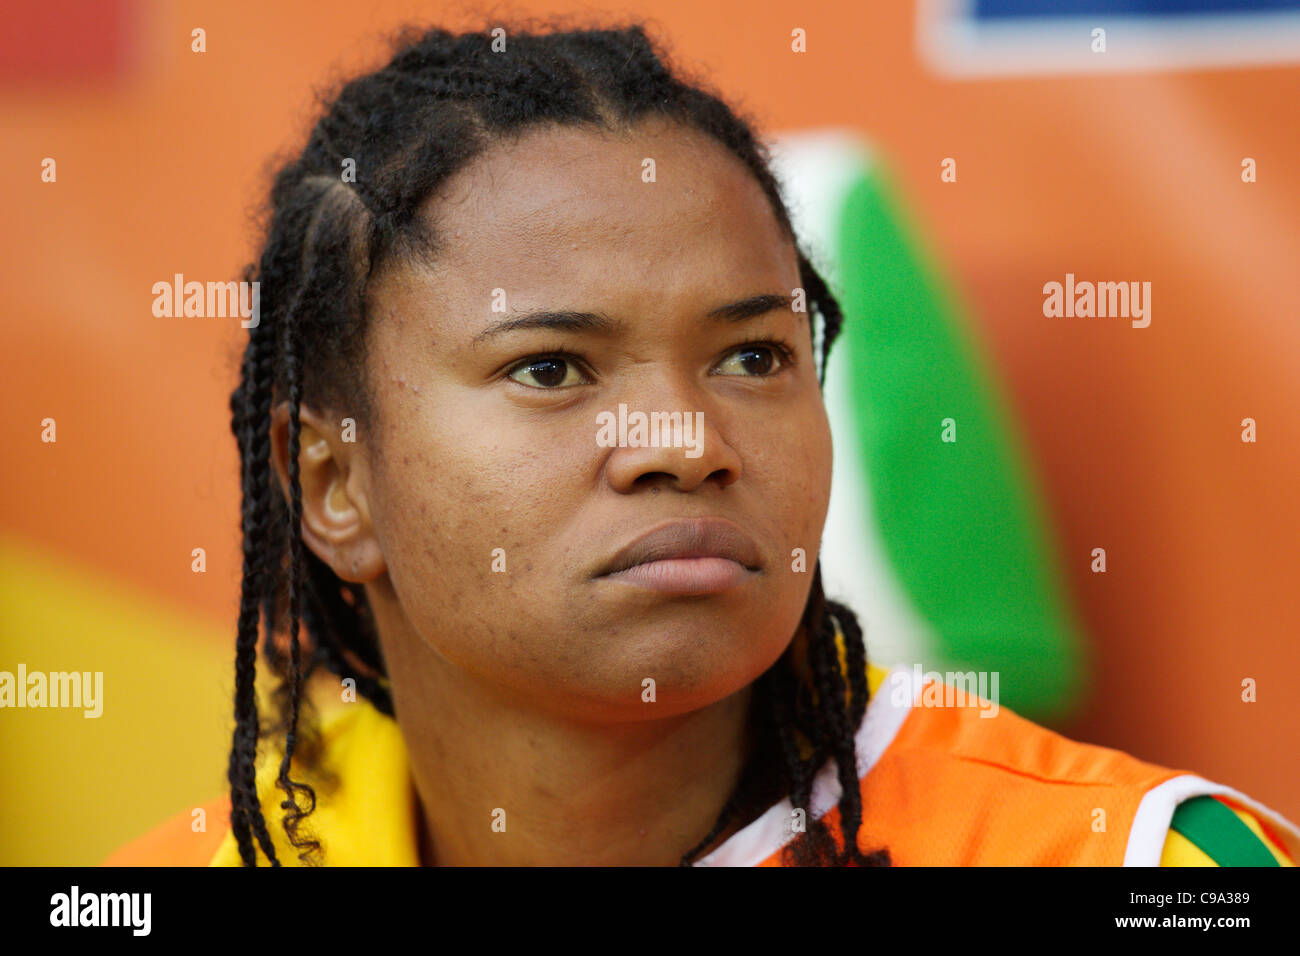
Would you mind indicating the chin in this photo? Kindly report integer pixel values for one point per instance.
(692, 665)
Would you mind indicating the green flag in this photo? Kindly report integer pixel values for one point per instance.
(936, 535)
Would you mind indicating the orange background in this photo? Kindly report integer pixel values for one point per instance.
(1135, 437)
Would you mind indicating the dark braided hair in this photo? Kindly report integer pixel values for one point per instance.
(442, 100)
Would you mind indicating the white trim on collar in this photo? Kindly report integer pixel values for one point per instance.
(880, 725)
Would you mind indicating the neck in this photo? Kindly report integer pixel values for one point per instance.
(501, 782)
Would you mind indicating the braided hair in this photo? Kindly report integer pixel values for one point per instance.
(441, 101)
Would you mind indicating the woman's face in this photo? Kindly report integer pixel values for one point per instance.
(499, 502)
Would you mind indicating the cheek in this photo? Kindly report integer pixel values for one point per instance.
(466, 513)
(791, 463)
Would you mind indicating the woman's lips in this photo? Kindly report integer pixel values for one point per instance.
(686, 556)
(684, 575)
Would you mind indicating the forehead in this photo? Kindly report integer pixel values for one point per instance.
(561, 214)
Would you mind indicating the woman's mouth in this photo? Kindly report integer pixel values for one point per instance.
(691, 556)
(685, 575)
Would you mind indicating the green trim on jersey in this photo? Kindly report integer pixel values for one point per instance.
(1220, 834)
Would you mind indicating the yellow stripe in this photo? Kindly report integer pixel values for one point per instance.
(1180, 851)
(875, 677)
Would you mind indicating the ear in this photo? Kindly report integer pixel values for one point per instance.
(334, 478)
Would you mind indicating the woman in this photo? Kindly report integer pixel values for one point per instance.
(535, 461)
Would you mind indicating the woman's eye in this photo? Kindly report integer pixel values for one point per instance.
(548, 372)
(751, 360)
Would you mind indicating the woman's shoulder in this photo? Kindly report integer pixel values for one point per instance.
(939, 756)
(956, 718)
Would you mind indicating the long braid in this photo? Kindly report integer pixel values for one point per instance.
(250, 406)
(325, 607)
(241, 425)
(824, 658)
(796, 765)
(840, 710)
(820, 295)
(294, 814)
(266, 532)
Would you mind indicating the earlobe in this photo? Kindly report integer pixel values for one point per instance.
(362, 562)
(335, 521)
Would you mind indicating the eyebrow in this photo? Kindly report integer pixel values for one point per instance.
(568, 321)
